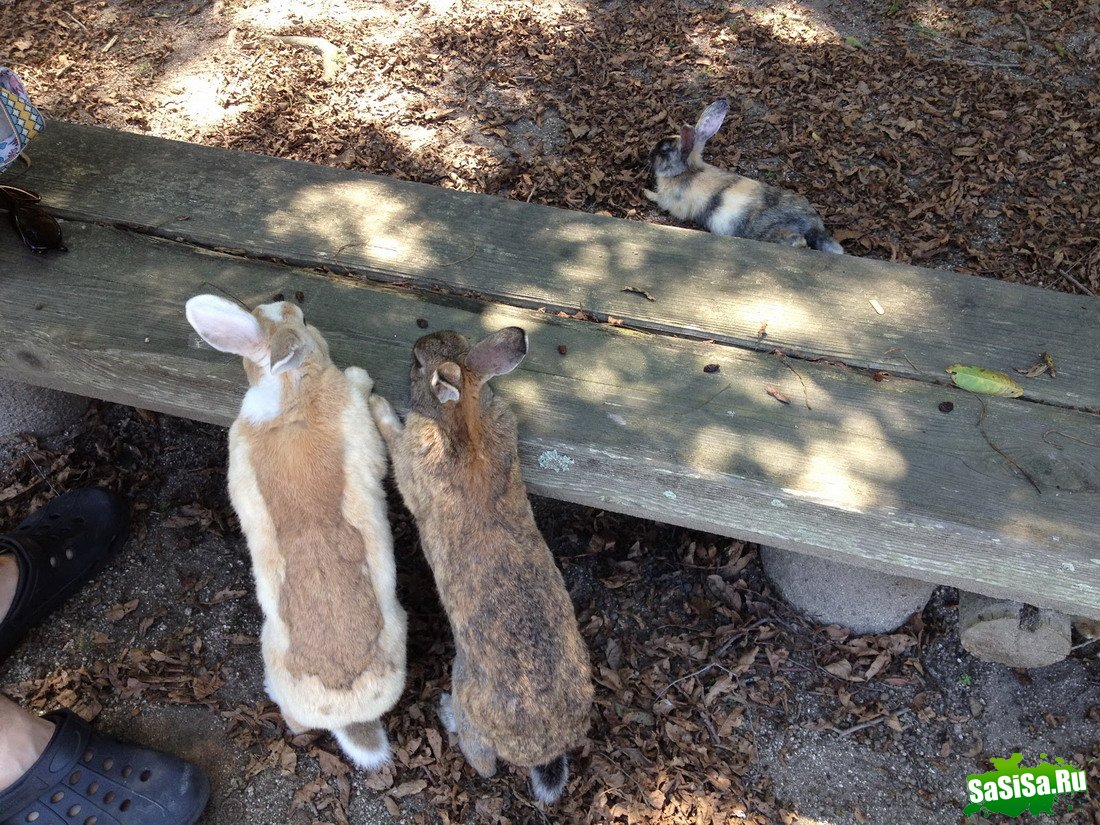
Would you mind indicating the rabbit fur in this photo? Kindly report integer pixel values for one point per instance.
(521, 685)
(726, 203)
(306, 465)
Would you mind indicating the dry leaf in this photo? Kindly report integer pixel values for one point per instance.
(777, 394)
(120, 610)
(639, 291)
(409, 788)
(1040, 365)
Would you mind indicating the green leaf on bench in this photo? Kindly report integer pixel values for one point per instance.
(987, 382)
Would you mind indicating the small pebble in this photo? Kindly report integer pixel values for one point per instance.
(300, 297)
(946, 406)
(279, 297)
(711, 368)
(562, 349)
(422, 323)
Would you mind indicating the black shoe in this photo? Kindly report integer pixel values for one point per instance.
(58, 548)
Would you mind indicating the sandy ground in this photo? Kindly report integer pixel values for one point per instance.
(162, 648)
(952, 134)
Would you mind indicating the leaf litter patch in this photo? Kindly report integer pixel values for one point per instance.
(703, 674)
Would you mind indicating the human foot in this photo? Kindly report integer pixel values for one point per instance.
(84, 776)
(23, 738)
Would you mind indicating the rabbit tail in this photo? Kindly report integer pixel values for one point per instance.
(548, 781)
(819, 238)
(365, 743)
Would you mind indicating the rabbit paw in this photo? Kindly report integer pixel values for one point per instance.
(385, 418)
(360, 379)
(447, 713)
(650, 194)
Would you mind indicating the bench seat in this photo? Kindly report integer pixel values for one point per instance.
(615, 408)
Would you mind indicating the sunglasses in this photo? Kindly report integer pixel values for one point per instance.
(34, 225)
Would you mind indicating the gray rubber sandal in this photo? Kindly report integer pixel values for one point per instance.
(86, 778)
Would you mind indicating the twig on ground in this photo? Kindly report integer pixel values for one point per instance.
(861, 726)
(704, 669)
(1027, 31)
(67, 14)
(599, 51)
(864, 725)
(977, 62)
(740, 634)
(332, 56)
(1077, 283)
(709, 725)
(39, 469)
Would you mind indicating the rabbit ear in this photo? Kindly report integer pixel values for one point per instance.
(711, 121)
(288, 350)
(446, 380)
(497, 353)
(227, 327)
(687, 140)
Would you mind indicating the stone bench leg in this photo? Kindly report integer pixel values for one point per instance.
(864, 601)
(25, 408)
(1011, 633)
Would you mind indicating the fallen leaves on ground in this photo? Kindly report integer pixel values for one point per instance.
(932, 134)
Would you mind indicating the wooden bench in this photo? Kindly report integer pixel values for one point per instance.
(615, 407)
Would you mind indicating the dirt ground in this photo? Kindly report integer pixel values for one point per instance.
(950, 134)
(716, 703)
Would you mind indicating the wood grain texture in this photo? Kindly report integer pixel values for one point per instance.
(874, 474)
(706, 287)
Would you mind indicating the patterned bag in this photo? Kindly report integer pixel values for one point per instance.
(19, 120)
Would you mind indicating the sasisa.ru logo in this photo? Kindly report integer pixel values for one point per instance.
(1014, 788)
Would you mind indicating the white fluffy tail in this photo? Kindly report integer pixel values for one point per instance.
(548, 781)
(365, 743)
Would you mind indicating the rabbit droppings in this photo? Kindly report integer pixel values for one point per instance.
(521, 685)
(306, 465)
(726, 203)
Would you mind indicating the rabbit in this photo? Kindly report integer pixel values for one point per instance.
(521, 685)
(726, 203)
(306, 465)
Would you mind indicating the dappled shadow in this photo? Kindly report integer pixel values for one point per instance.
(869, 471)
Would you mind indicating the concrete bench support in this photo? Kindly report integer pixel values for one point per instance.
(833, 593)
(26, 408)
(1012, 633)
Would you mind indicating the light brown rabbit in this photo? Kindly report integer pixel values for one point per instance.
(726, 203)
(306, 465)
(521, 688)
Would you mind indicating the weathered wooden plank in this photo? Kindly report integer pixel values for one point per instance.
(706, 287)
(874, 474)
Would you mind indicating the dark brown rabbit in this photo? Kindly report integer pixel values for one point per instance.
(726, 203)
(522, 688)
